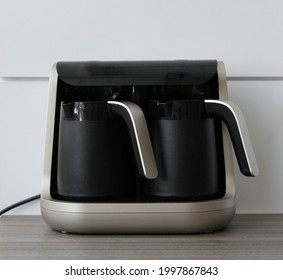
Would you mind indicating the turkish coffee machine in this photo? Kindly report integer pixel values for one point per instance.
(142, 147)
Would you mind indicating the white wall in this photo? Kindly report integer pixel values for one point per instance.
(246, 35)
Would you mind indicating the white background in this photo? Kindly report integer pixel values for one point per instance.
(246, 35)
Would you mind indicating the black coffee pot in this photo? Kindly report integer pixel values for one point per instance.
(97, 142)
(183, 135)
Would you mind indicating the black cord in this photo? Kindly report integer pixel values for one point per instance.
(3, 211)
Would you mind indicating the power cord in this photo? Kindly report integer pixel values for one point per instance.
(3, 211)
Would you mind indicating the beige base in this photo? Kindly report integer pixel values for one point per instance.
(138, 217)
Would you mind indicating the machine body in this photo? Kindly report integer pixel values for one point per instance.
(142, 147)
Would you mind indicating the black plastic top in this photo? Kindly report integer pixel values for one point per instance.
(133, 73)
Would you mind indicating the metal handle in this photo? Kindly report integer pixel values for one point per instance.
(135, 120)
(235, 122)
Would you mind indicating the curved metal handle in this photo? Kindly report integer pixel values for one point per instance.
(235, 122)
(136, 123)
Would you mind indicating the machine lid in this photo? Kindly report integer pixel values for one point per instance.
(134, 73)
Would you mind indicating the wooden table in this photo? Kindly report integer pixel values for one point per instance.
(247, 237)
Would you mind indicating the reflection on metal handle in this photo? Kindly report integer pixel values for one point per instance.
(136, 123)
(235, 122)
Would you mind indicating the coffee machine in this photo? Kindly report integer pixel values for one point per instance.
(142, 147)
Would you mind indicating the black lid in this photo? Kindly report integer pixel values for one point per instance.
(134, 73)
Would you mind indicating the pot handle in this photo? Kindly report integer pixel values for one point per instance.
(235, 122)
(134, 118)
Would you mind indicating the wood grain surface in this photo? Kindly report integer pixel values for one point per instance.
(247, 237)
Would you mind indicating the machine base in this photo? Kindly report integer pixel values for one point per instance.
(193, 217)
